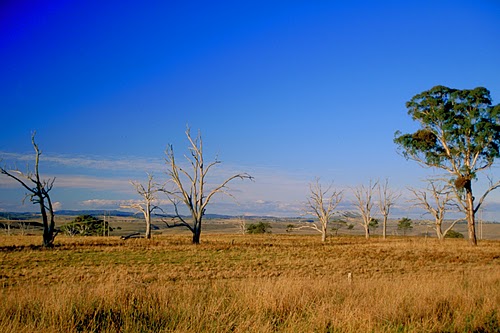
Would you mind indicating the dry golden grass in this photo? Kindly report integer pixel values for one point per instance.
(236, 283)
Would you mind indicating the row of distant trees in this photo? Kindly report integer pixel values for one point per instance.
(322, 204)
(459, 133)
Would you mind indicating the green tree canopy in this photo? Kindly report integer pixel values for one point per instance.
(460, 130)
(259, 228)
(86, 225)
(405, 224)
(460, 133)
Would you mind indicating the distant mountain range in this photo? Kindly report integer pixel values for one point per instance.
(97, 212)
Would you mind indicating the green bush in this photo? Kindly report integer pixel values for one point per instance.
(86, 225)
(259, 228)
(373, 223)
(453, 234)
(405, 224)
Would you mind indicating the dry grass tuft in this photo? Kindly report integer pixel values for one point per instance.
(249, 284)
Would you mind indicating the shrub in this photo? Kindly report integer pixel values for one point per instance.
(86, 225)
(259, 228)
(405, 224)
(453, 234)
(373, 223)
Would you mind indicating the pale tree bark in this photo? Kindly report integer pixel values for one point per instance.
(436, 200)
(149, 194)
(189, 187)
(387, 199)
(322, 205)
(364, 203)
(466, 200)
(242, 225)
(38, 193)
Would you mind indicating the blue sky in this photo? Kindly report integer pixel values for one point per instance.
(284, 90)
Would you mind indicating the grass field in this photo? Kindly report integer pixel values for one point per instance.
(249, 283)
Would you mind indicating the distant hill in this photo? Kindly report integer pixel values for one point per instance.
(32, 215)
(18, 216)
(95, 212)
(100, 212)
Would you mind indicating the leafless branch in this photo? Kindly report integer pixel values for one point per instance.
(189, 186)
(364, 203)
(437, 204)
(387, 199)
(322, 205)
(38, 194)
(493, 186)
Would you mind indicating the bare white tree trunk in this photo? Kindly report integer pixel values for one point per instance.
(149, 195)
(364, 203)
(387, 199)
(189, 187)
(242, 225)
(441, 200)
(322, 205)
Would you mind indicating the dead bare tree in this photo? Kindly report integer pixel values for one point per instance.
(322, 205)
(149, 195)
(364, 203)
(436, 200)
(189, 187)
(38, 193)
(387, 199)
(242, 225)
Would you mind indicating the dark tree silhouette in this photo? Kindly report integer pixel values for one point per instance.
(38, 193)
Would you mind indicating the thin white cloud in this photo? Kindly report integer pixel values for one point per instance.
(118, 203)
(99, 203)
(273, 191)
(91, 162)
(57, 206)
(94, 183)
(77, 182)
(7, 182)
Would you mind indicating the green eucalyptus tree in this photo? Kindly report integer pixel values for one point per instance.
(459, 133)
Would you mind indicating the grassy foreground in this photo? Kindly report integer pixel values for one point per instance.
(240, 283)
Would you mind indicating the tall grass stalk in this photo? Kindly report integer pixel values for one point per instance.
(227, 286)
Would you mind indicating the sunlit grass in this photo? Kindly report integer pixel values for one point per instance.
(235, 283)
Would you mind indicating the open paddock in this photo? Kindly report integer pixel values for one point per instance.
(249, 283)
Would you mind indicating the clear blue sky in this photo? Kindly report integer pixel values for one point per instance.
(284, 90)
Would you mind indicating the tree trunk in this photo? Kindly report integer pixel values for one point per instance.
(197, 232)
(148, 227)
(367, 232)
(384, 227)
(323, 235)
(48, 237)
(48, 229)
(439, 232)
(471, 218)
(196, 236)
(147, 216)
